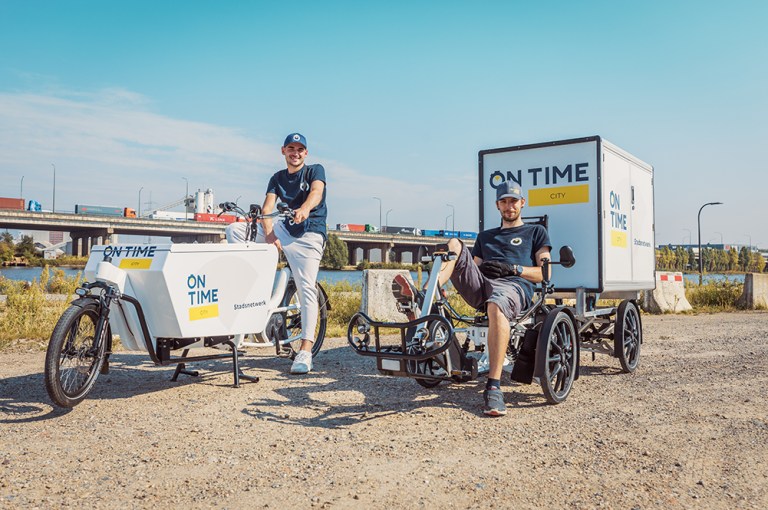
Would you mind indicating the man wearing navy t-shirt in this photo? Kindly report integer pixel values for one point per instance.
(500, 272)
(302, 187)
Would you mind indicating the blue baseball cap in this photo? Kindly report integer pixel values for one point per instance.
(295, 138)
(509, 189)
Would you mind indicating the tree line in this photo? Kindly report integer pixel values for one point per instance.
(336, 256)
(713, 260)
(9, 250)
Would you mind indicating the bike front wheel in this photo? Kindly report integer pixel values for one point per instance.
(293, 320)
(75, 355)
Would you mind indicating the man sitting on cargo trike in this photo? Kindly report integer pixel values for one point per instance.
(499, 274)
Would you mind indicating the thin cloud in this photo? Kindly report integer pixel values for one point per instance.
(109, 144)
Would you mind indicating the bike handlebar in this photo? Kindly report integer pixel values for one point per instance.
(254, 211)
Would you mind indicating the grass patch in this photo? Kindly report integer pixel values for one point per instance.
(714, 296)
(345, 301)
(27, 314)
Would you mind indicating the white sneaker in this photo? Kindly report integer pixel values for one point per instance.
(302, 363)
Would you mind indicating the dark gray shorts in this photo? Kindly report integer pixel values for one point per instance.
(477, 290)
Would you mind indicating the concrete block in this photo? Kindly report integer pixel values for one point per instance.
(378, 301)
(668, 296)
(755, 293)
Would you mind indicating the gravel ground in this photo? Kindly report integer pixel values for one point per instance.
(687, 430)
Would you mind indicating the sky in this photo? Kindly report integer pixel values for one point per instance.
(142, 100)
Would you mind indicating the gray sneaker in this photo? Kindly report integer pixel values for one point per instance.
(494, 403)
(302, 363)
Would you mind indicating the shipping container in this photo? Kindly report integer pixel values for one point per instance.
(413, 231)
(467, 235)
(12, 203)
(449, 233)
(598, 199)
(98, 210)
(170, 215)
(215, 218)
(430, 233)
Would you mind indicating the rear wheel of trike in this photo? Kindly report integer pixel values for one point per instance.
(627, 336)
(75, 356)
(556, 352)
(293, 320)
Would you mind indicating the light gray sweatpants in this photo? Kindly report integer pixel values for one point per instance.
(303, 255)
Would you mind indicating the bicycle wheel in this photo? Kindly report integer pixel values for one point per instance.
(75, 356)
(292, 319)
(438, 333)
(556, 352)
(627, 336)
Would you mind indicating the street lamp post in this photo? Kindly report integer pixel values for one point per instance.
(446, 221)
(721, 239)
(701, 271)
(750, 242)
(53, 207)
(139, 215)
(386, 217)
(186, 197)
(453, 217)
(21, 190)
(377, 198)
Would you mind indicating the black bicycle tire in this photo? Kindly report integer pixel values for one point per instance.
(61, 332)
(322, 316)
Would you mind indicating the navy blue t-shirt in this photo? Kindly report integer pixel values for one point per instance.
(288, 188)
(516, 245)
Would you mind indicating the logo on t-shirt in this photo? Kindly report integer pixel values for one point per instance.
(516, 241)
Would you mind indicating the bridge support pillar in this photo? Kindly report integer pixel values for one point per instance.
(352, 251)
(386, 248)
(84, 240)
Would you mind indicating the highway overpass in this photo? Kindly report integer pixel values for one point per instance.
(86, 231)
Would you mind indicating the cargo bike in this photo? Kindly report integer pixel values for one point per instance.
(596, 200)
(166, 298)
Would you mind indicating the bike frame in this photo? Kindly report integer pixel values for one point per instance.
(282, 279)
(436, 308)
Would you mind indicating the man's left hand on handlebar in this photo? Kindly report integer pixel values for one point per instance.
(300, 214)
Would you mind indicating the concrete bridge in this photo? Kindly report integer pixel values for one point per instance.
(87, 231)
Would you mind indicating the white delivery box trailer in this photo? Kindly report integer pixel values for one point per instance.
(598, 200)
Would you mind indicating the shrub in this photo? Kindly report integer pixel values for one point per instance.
(345, 301)
(714, 295)
(28, 314)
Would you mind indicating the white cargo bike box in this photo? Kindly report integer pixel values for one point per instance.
(598, 199)
(187, 290)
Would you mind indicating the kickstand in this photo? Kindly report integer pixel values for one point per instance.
(180, 368)
(236, 367)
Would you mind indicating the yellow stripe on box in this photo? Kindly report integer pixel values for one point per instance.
(203, 312)
(135, 263)
(557, 196)
(618, 238)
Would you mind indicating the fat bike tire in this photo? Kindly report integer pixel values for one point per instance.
(293, 322)
(75, 356)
